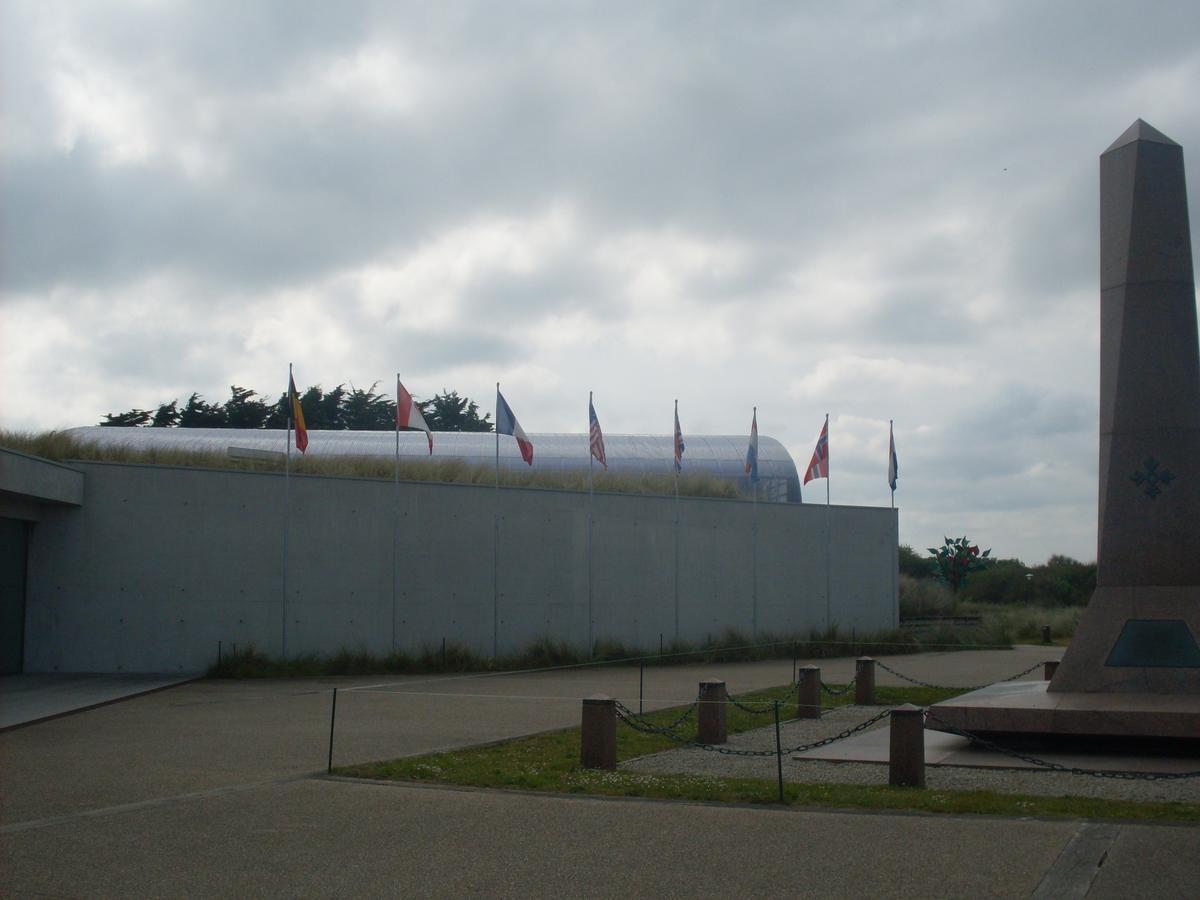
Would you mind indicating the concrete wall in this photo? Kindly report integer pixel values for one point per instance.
(159, 564)
(28, 482)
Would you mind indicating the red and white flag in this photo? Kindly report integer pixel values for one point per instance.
(818, 466)
(408, 414)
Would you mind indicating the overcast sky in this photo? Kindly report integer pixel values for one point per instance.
(875, 210)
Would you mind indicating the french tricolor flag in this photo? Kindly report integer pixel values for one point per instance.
(506, 423)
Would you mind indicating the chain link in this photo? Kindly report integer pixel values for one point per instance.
(769, 703)
(630, 718)
(943, 687)
(1058, 767)
(637, 721)
(836, 693)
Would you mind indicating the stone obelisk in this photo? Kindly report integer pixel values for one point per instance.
(1141, 631)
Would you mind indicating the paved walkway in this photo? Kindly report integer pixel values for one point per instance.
(34, 698)
(213, 788)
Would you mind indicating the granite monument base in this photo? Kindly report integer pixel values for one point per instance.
(1028, 708)
(1140, 640)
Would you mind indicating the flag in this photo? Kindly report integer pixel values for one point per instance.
(818, 466)
(506, 423)
(297, 415)
(595, 435)
(408, 414)
(678, 440)
(752, 450)
(893, 463)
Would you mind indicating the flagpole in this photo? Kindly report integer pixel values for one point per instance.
(287, 478)
(754, 536)
(827, 473)
(828, 538)
(675, 463)
(396, 519)
(496, 539)
(591, 495)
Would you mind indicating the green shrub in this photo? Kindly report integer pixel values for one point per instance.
(920, 598)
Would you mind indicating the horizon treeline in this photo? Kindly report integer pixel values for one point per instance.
(1060, 581)
(339, 409)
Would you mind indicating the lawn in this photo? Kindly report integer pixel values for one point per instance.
(550, 762)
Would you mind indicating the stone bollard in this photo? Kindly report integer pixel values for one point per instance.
(864, 681)
(1049, 667)
(808, 706)
(1045, 634)
(598, 734)
(906, 759)
(711, 715)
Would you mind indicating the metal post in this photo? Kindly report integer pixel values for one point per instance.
(641, 681)
(778, 752)
(332, 718)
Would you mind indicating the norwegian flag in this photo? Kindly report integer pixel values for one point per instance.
(818, 467)
(595, 435)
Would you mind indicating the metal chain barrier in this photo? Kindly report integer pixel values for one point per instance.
(1058, 767)
(638, 723)
(944, 687)
(837, 693)
(767, 702)
(630, 718)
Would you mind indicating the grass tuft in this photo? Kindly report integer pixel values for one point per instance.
(546, 652)
(63, 447)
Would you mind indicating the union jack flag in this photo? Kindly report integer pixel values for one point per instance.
(595, 435)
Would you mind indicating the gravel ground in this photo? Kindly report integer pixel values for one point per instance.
(693, 761)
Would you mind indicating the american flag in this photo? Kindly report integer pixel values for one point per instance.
(595, 435)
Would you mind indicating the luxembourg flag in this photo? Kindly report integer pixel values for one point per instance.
(752, 450)
(408, 414)
(506, 423)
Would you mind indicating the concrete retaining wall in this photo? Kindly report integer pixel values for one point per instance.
(159, 564)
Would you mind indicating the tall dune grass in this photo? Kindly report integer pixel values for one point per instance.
(63, 447)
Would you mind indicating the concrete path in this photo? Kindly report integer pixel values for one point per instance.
(34, 698)
(213, 789)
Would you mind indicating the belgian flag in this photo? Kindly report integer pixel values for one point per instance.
(297, 415)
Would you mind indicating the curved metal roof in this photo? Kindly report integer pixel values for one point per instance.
(721, 455)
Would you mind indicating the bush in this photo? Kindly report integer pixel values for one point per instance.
(1062, 581)
(920, 598)
(913, 564)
